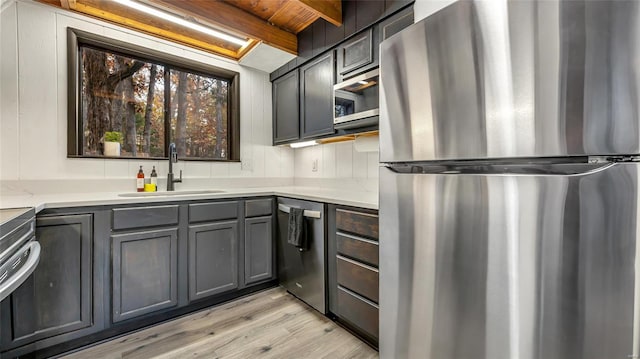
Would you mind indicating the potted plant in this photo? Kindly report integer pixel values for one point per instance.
(112, 142)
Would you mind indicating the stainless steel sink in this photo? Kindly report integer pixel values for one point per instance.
(168, 194)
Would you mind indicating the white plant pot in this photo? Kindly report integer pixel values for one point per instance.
(112, 149)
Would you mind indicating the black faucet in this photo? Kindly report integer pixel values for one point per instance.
(173, 157)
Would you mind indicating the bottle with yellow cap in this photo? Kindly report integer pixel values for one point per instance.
(154, 179)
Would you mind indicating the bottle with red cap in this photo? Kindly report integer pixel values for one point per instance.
(140, 180)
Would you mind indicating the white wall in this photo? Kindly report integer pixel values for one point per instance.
(336, 160)
(33, 107)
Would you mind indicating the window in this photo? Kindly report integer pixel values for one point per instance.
(129, 102)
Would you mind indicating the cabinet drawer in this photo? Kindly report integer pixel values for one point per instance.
(258, 207)
(358, 311)
(217, 211)
(364, 224)
(358, 277)
(139, 217)
(361, 249)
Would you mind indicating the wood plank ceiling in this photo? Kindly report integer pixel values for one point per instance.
(273, 22)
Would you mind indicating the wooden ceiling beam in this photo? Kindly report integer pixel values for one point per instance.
(68, 4)
(235, 20)
(110, 11)
(293, 16)
(330, 10)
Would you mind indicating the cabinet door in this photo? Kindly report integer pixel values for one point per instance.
(258, 249)
(56, 299)
(213, 259)
(144, 272)
(355, 54)
(395, 23)
(286, 114)
(316, 96)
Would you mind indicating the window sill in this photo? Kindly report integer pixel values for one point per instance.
(152, 158)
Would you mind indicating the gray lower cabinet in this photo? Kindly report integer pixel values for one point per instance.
(109, 269)
(352, 269)
(213, 259)
(258, 249)
(144, 272)
(56, 301)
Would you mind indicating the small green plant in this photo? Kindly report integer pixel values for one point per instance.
(113, 137)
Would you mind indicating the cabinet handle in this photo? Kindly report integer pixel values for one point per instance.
(307, 213)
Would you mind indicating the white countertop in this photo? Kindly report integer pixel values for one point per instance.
(63, 200)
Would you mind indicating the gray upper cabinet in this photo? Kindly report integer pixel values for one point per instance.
(395, 23)
(357, 55)
(213, 259)
(286, 114)
(57, 298)
(304, 109)
(258, 249)
(316, 96)
(144, 272)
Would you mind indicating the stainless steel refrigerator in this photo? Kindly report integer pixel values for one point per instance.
(509, 135)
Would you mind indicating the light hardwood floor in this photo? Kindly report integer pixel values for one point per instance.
(269, 324)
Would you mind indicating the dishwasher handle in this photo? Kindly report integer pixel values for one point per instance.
(307, 213)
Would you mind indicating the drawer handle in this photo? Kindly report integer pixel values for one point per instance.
(307, 213)
(357, 263)
(357, 213)
(365, 240)
(358, 296)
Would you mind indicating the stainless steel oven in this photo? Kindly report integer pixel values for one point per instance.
(355, 101)
(19, 250)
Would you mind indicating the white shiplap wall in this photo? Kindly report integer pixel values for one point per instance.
(336, 160)
(33, 107)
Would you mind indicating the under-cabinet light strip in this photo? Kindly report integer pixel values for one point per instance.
(303, 144)
(182, 22)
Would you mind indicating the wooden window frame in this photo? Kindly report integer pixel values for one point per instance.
(76, 38)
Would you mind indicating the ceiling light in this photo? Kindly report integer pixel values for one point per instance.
(180, 21)
(362, 82)
(303, 144)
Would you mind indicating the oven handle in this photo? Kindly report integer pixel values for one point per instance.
(24, 272)
(307, 213)
(20, 241)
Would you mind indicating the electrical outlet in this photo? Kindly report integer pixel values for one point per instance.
(247, 165)
(314, 165)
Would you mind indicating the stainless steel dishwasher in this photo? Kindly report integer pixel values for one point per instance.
(302, 273)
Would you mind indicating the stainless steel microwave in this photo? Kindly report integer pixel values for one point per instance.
(355, 101)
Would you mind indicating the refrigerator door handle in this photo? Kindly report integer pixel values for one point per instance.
(511, 169)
